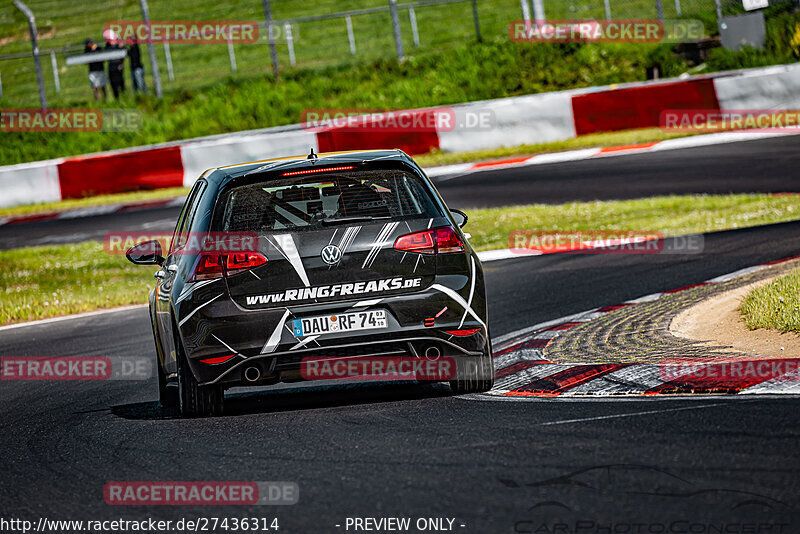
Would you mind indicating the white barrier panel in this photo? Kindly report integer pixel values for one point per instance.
(200, 156)
(30, 183)
(772, 88)
(540, 118)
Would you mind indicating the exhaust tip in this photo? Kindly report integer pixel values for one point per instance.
(252, 373)
(432, 352)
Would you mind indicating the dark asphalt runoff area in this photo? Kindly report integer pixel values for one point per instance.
(702, 464)
(494, 466)
(763, 166)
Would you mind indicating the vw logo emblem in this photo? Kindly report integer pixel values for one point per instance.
(331, 254)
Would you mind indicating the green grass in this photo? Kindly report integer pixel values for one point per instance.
(321, 43)
(448, 67)
(671, 215)
(48, 281)
(775, 305)
(56, 280)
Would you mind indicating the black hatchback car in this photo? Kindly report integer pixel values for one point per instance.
(313, 258)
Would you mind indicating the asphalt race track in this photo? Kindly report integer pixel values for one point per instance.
(495, 466)
(764, 166)
(414, 450)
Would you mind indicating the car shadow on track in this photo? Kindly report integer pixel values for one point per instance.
(290, 398)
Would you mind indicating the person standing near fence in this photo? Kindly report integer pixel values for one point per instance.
(137, 69)
(116, 67)
(97, 73)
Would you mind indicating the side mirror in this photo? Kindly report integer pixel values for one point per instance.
(460, 217)
(146, 253)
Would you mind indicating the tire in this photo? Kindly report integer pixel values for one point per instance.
(196, 400)
(474, 374)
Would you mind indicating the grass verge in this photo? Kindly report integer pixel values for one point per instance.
(41, 282)
(100, 200)
(775, 305)
(49, 281)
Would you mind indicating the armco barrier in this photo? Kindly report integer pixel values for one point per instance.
(538, 118)
(417, 140)
(771, 88)
(639, 107)
(120, 172)
(520, 120)
(30, 183)
(201, 155)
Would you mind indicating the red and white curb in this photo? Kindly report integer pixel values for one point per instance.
(447, 172)
(521, 370)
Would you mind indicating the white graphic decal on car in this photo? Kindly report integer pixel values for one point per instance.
(379, 243)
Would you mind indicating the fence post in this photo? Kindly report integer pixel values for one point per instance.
(476, 20)
(538, 10)
(660, 10)
(526, 10)
(678, 7)
(273, 49)
(412, 17)
(719, 16)
(55, 70)
(167, 53)
(398, 37)
(35, 44)
(287, 28)
(152, 49)
(607, 5)
(231, 53)
(350, 37)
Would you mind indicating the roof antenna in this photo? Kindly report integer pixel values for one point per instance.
(312, 155)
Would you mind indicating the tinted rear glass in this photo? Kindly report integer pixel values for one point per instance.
(308, 202)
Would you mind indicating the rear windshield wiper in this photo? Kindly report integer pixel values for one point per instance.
(328, 221)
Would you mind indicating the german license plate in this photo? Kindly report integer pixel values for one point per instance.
(343, 322)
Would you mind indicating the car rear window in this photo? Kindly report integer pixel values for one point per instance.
(308, 202)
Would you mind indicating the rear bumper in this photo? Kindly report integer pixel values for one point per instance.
(262, 338)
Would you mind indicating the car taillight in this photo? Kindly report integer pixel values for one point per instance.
(443, 240)
(237, 262)
(217, 265)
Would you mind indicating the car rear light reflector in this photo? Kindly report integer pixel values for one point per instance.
(443, 240)
(313, 171)
(218, 359)
(464, 332)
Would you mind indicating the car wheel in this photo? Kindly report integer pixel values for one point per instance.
(474, 375)
(196, 400)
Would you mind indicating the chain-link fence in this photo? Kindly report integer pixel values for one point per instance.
(317, 35)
